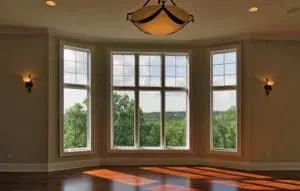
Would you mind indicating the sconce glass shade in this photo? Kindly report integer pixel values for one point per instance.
(50, 3)
(160, 19)
(270, 82)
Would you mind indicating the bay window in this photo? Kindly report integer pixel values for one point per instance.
(150, 101)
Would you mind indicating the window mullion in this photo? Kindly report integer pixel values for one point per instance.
(163, 131)
(136, 114)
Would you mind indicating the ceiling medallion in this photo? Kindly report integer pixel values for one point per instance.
(160, 19)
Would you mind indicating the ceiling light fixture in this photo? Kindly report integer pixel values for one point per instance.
(253, 9)
(160, 19)
(50, 3)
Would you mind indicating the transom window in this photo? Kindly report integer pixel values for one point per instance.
(224, 110)
(150, 101)
(75, 94)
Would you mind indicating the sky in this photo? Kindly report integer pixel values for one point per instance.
(123, 72)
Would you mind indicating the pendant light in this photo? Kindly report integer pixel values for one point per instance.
(160, 19)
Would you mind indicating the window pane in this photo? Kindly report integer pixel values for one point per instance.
(144, 71)
(69, 78)
(150, 70)
(81, 79)
(171, 71)
(123, 106)
(155, 71)
(224, 69)
(123, 70)
(149, 120)
(230, 57)
(218, 70)
(81, 56)
(218, 59)
(129, 60)
(69, 66)
(170, 81)
(118, 81)
(81, 68)
(230, 80)
(170, 61)
(180, 72)
(75, 67)
(176, 71)
(218, 81)
(180, 82)
(224, 119)
(145, 60)
(118, 70)
(155, 81)
(117, 60)
(69, 55)
(128, 71)
(230, 69)
(76, 121)
(181, 61)
(144, 81)
(128, 81)
(175, 118)
(155, 60)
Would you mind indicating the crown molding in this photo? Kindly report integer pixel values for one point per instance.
(22, 30)
(18, 30)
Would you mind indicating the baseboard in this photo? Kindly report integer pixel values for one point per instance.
(253, 166)
(73, 164)
(23, 167)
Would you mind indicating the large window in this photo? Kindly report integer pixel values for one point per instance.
(75, 93)
(150, 101)
(224, 94)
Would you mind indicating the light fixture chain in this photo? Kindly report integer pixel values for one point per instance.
(147, 2)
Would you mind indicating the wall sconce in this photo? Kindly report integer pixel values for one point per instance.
(268, 85)
(28, 82)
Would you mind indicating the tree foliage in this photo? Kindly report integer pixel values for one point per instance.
(75, 123)
(224, 129)
(75, 133)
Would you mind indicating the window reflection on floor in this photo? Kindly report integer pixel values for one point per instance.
(188, 179)
(77, 184)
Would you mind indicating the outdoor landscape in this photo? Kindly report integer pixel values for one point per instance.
(75, 122)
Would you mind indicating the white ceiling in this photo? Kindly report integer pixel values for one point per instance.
(106, 18)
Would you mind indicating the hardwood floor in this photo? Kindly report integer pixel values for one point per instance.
(150, 179)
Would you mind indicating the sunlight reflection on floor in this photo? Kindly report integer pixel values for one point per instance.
(120, 177)
(162, 179)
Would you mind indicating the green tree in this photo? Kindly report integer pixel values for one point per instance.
(149, 129)
(224, 129)
(123, 120)
(75, 122)
(176, 132)
(75, 134)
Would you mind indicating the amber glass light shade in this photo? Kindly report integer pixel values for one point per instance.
(160, 20)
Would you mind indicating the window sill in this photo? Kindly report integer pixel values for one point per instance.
(225, 152)
(76, 152)
(145, 150)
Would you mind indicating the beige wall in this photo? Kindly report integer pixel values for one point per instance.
(23, 130)
(30, 122)
(274, 119)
